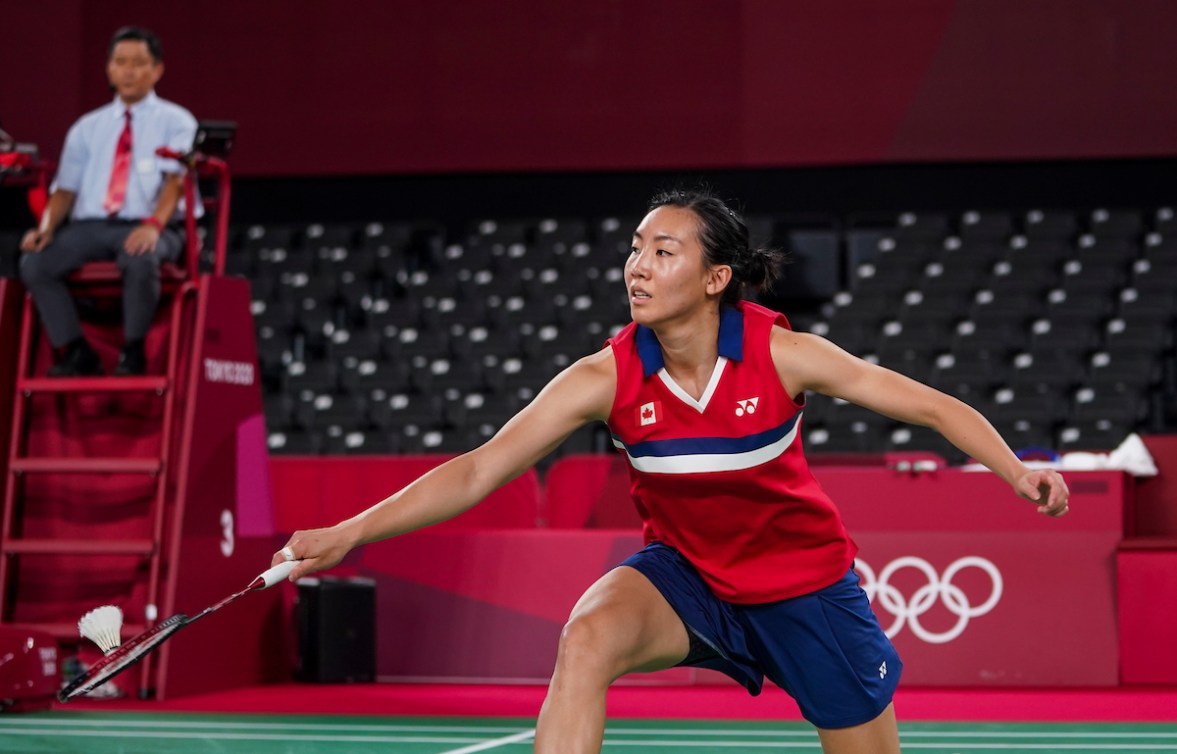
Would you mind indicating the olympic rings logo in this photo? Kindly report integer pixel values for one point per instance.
(937, 590)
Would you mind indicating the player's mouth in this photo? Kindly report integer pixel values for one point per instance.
(637, 294)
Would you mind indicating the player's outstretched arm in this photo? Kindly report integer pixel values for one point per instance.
(580, 394)
(809, 362)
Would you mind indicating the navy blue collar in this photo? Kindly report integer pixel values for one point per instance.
(731, 341)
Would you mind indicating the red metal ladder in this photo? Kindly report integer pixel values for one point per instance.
(21, 464)
(180, 287)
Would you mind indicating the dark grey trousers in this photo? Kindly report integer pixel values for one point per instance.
(44, 274)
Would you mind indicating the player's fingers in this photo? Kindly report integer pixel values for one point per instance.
(1055, 509)
(303, 568)
(284, 555)
(306, 552)
(1028, 487)
(1054, 495)
(314, 550)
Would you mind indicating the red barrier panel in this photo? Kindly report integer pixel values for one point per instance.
(590, 492)
(482, 605)
(1153, 511)
(1147, 584)
(321, 491)
(974, 586)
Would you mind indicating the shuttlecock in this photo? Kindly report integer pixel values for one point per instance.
(103, 625)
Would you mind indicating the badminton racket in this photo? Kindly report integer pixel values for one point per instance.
(134, 650)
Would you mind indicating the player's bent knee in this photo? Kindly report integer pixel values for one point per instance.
(588, 646)
(580, 638)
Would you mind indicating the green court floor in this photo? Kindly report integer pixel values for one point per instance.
(185, 733)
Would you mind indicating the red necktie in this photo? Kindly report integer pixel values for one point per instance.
(116, 190)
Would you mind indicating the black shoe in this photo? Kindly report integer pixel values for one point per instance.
(80, 360)
(132, 360)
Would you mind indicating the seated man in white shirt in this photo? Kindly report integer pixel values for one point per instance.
(122, 202)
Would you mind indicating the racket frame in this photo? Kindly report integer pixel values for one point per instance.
(132, 651)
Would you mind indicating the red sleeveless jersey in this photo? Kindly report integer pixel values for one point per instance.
(724, 479)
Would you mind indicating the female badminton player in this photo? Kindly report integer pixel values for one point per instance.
(747, 567)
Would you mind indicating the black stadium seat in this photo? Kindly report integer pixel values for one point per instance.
(1069, 311)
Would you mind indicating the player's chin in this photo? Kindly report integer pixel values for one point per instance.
(640, 311)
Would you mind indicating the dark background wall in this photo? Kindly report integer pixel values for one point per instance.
(369, 87)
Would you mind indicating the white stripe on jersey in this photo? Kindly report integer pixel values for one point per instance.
(701, 463)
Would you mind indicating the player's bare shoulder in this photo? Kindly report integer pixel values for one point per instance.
(790, 344)
(589, 384)
(805, 361)
(602, 363)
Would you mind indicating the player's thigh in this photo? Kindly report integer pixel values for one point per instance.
(626, 620)
(879, 736)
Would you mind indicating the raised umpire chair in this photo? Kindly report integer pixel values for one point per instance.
(144, 492)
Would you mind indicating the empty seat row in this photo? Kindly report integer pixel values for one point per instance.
(1058, 325)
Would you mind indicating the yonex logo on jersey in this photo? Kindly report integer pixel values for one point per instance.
(883, 670)
(747, 406)
(649, 413)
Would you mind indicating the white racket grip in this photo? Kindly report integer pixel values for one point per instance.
(278, 573)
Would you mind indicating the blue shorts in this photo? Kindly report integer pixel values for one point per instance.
(826, 648)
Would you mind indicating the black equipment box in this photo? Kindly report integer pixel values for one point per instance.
(336, 620)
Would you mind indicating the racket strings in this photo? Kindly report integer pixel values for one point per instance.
(137, 648)
(122, 658)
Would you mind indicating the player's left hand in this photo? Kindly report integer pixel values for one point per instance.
(1046, 488)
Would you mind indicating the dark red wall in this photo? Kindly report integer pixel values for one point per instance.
(370, 86)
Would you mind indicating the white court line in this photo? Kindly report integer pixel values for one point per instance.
(215, 736)
(731, 736)
(221, 725)
(955, 745)
(525, 735)
(226, 724)
(496, 743)
(812, 745)
(1170, 735)
(1048, 746)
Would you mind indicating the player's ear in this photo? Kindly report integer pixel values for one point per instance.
(718, 278)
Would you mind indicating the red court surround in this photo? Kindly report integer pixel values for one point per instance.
(965, 574)
(682, 702)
